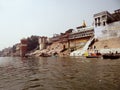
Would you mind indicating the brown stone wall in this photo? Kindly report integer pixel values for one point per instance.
(108, 43)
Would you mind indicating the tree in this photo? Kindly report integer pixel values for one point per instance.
(32, 42)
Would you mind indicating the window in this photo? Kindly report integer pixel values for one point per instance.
(95, 20)
(95, 24)
(103, 23)
(98, 19)
(99, 24)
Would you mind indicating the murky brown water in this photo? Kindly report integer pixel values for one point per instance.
(55, 73)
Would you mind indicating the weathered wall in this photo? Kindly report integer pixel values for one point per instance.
(109, 31)
(79, 42)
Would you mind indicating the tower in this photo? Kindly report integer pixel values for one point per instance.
(23, 47)
(100, 21)
(84, 24)
(42, 42)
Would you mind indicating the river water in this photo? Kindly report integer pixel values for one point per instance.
(55, 73)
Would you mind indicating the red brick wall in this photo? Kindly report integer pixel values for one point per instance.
(23, 48)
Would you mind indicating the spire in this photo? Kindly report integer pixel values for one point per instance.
(84, 24)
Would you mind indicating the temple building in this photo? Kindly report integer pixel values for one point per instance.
(67, 42)
(79, 38)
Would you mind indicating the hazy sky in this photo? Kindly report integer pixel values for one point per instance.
(23, 18)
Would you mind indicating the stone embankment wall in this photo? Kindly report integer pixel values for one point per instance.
(63, 49)
(108, 43)
(111, 44)
(113, 30)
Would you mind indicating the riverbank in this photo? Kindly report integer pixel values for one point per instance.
(103, 46)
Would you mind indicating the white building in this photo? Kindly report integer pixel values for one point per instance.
(107, 25)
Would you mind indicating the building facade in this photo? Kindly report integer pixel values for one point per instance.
(23, 47)
(107, 25)
(42, 43)
(80, 37)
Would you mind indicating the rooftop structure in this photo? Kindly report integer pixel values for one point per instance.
(82, 32)
(55, 38)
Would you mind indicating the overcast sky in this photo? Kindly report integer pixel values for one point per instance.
(23, 18)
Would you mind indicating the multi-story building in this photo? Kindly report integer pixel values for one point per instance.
(81, 36)
(64, 39)
(107, 25)
(74, 39)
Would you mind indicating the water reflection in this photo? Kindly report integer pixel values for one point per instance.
(55, 73)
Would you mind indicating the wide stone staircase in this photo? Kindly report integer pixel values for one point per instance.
(82, 51)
